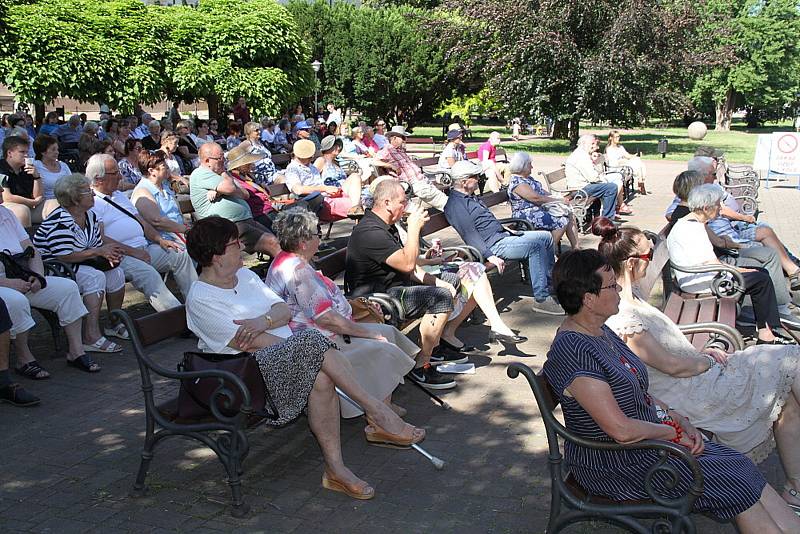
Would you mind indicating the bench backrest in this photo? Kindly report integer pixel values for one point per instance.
(419, 140)
(436, 222)
(281, 160)
(554, 176)
(278, 190)
(425, 162)
(494, 199)
(159, 326)
(333, 264)
(185, 204)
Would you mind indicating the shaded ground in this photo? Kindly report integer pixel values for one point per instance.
(69, 464)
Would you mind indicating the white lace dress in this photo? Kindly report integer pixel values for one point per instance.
(738, 402)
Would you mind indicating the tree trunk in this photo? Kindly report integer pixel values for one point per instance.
(213, 109)
(724, 111)
(560, 129)
(574, 131)
(39, 113)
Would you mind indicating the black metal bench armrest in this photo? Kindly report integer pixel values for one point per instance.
(523, 224)
(58, 268)
(720, 286)
(731, 335)
(389, 305)
(660, 468)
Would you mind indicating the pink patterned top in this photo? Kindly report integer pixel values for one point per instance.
(308, 293)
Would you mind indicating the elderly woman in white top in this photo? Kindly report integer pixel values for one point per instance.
(689, 246)
(617, 156)
(230, 310)
(56, 294)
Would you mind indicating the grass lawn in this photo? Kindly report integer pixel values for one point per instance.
(739, 144)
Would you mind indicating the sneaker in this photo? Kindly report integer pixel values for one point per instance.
(428, 377)
(779, 340)
(16, 395)
(449, 357)
(548, 306)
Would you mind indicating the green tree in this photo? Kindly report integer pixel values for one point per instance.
(224, 49)
(758, 42)
(84, 49)
(376, 60)
(617, 60)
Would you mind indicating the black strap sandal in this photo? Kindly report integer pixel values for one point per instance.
(33, 371)
(84, 362)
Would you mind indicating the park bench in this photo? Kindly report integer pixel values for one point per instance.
(223, 434)
(571, 503)
(584, 206)
(417, 144)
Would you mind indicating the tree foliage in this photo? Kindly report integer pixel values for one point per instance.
(375, 60)
(121, 52)
(617, 60)
(761, 71)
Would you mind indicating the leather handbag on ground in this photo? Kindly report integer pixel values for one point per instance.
(18, 266)
(196, 395)
(364, 311)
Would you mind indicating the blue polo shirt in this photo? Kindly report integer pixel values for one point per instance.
(473, 221)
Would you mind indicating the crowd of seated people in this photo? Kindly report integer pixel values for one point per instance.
(299, 324)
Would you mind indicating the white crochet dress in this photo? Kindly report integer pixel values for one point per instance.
(738, 402)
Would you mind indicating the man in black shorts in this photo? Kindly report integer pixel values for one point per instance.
(378, 262)
(10, 392)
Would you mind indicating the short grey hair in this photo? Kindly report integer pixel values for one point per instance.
(294, 226)
(90, 126)
(185, 123)
(153, 125)
(68, 189)
(685, 182)
(519, 160)
(96, 166)
(387, 190)
(705, 196)
(586, 140)
(702, 164)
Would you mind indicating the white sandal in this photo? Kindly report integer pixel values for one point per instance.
(102, 345)
(118, 331)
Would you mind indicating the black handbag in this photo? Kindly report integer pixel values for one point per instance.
(197, 394)
(101, 263)
(18, 266)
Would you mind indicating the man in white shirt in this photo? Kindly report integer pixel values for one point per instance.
(147, 254)
(582, 174)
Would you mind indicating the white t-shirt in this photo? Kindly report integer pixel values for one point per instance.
(210, 310)
(11, 232)
(689, 246)
(49, 178)
(116, 224)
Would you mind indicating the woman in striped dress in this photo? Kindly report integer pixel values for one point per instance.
(603, 390)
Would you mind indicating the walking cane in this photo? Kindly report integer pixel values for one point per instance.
(433, 396)
(438, 463)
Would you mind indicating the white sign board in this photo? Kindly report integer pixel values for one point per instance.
(763, 148)
(784, 157)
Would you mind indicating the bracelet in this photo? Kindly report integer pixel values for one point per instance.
(269, 321)
(678, 430)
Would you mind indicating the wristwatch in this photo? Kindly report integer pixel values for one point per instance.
(269, 321)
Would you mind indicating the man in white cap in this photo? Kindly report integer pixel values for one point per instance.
(479, 228)
(393, 156)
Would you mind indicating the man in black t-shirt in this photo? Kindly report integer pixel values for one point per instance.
(378, 262)
(22, 189)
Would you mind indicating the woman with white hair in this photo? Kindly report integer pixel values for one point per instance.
(531, 202)
(73, 235)
(689, 246)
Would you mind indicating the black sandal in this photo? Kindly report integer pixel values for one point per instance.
(32, 370)
(84, 362)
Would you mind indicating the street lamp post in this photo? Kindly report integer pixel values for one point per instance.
(315, 65)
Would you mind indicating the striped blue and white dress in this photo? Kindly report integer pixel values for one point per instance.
(732, 482)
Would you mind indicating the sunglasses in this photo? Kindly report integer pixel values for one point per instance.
(648, 256)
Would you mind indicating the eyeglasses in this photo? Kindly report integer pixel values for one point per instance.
(212, 157)
(647, 257)
(86, 193)
(613, 286)
(236, 242)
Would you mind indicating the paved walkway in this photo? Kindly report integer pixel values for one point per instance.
(69, 464)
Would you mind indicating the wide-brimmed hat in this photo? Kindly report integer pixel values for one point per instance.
(241, 155)
(709, 152)
(328, 142)
(462, 170)
(304, 149)
(397, 131)
(454, 134)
